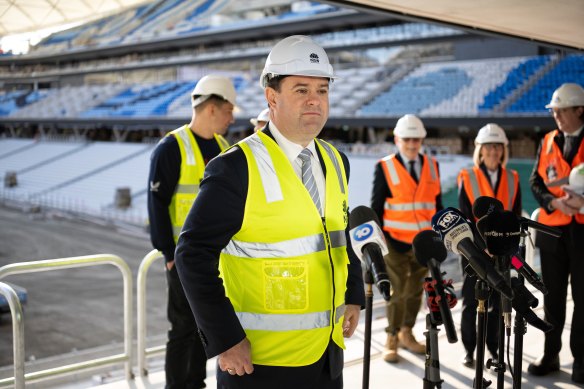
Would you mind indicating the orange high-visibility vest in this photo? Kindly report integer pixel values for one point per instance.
(477, 184)
(553, 166)
(412, 206)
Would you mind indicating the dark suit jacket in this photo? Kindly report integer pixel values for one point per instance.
(215, 217)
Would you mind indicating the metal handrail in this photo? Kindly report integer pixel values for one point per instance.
(144, 352)
(17, 333)
(69, 263)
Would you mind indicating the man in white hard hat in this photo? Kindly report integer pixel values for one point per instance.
(561, 258)
(488, 177)
(259, 122)
(176, 169)
(264, 256)
(406, 194)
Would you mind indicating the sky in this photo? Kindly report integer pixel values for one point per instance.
(20, 43)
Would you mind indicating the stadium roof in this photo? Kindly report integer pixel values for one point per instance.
(553, 22)
(556, 23)
(20, 16)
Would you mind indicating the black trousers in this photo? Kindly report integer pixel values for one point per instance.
(468, 321)
(326, 373)
(562, 259)
(186, 361)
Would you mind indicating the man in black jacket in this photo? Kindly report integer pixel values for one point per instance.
(560, 151)
(271, 223)
(176, 169)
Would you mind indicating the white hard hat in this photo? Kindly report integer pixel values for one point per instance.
(296, 55)
(213, 85)
(576, 180)
(409, 126)
(567, 95)
(491, 133)
(263, 116)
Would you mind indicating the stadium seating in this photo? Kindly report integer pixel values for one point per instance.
(568, 69)
(76, 176)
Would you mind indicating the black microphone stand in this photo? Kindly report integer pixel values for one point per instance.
(503, 266)
(368, 278)
(432, 366)
(520, 327)
(481, 295)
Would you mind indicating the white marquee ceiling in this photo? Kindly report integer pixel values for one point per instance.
(19, 16)
(557, 22)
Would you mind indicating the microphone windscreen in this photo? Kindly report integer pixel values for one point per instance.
(360, 215)
(485, 205)
(427, 245)
(501, 232)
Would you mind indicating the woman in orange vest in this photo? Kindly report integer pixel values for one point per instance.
(561, 258)
(488, 177)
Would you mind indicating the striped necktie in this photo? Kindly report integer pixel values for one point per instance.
(308, 178)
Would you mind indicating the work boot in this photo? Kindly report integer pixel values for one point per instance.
(544, 365)
(406, 340)
(390, 352)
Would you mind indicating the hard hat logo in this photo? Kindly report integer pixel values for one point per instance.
(314, 58)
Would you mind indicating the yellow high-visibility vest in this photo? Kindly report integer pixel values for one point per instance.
(192, 168)
(285, 271)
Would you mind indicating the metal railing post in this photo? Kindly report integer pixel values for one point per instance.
(143, 352)
(75, 262)
(17, 333)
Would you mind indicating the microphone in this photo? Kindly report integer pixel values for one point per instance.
(553, 231)
(430, 252)
(456, 233)
(501, 232)
(528, 273)
(485, 205)
(523, 302)
(369, 245)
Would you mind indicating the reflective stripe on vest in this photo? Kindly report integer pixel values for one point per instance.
(284, 249)
(267, 174)
(409, 206)
(281, 322)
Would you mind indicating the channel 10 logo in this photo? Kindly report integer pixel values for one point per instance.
(362, 232)
(447, 220)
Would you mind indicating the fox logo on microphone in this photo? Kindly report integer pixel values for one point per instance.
(447, 221)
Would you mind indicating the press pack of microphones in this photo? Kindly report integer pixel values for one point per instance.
(496, 230)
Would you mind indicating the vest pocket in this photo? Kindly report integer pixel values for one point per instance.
(286, 285)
